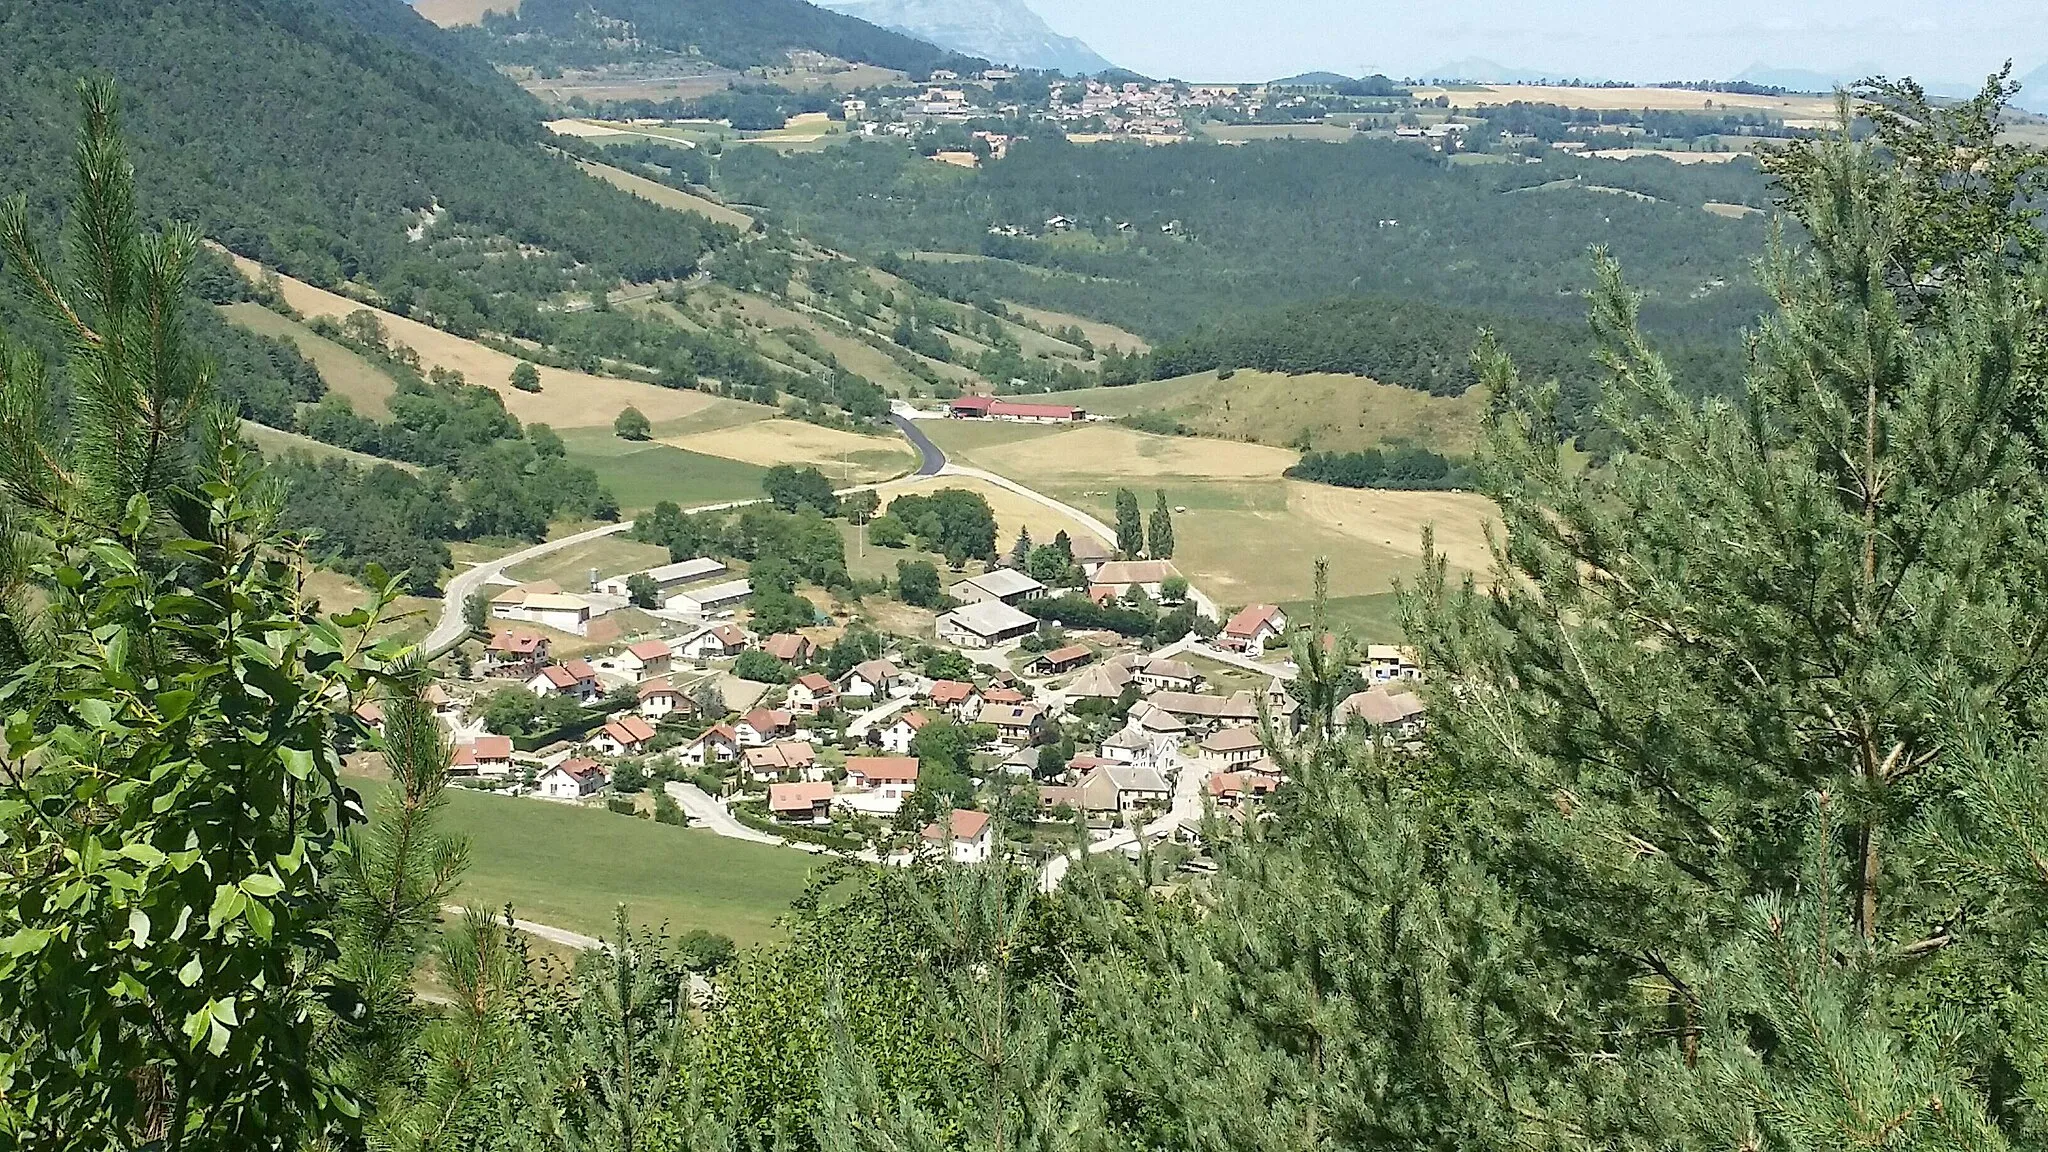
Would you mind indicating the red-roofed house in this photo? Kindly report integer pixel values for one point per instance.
(1006, 696)
(788, 760)
(891, 777)
(957, 697)
(517, 654)
(575, 679)
(1255, 626)
(1233, 788)
(901, 731)
(623, 736)
(992, 408)
(648, 658)
(790, 648)
(763, 725)
(372, 715)
(1061, 660)
(809, 802)
(573, 779)
(484, 756)
(715, 643)
(812, 694)
(659, 698)
(716, 745)
(965, 838)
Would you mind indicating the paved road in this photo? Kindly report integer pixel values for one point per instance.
(709, 814)
(1188, 788)
(931, 460)
(873, 716)
(451, 628)
(562, 936)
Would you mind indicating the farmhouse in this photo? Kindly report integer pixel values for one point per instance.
(517, 654)
(1089, 554)
(957, 697)
(1157, 721)
(483, 756)
(790, 648)
(1204, 711)
(1230, 789)
(809, 802)
(901, 731)
(877, 679)
(648, 658)
(1119, 788)
(573, 779)
(1153, 673)
(965, 838)
(763, 725)
(716, 745)
(544, 604)
(659, 698)
(575, 679)
(698, 601)
(1234, 745)
(1104, 681)
(789, 760)
(991, 408)
(1003, 584)
(623, 736)
(890, 777)
(1384, 662)
(1120, 576)
(1254, 627)
(714, 643)
(1014, 723)
(984, 625)
(812, 694)
(1133, 745)
(666, 578)
(1061, 660)
(1397, 712)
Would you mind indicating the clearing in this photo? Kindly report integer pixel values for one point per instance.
(847, 457)
(1102, 335)
(569, 866)
(451, 13)
(1335, 412)
(1731, 211)
(277, 441)
(566, 400)
(365, 385)
(409, 617)
(642, 474)
(656, 192)
(1095, 451)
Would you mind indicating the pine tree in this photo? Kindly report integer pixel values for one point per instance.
(1130, 525)
(1159, 538)
(1020, 552)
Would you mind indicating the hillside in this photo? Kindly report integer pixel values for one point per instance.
(1003, 31)
(1328, 411)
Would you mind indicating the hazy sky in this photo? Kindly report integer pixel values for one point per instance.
(1942, 40)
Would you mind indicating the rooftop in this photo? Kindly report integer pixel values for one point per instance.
(990, 618)
(1001, 582)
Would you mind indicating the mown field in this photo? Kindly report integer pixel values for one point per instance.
(570, 867)
(656, 192)
(1333, 412)
(366, 386)
(610, 555)
(644, 473)
(846, 457)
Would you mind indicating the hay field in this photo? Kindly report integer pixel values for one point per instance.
(610, 555)
(656, 192)
(1093, 452)
(365, 385)
(642, 474)
(1103, 336)
(1624, 99)
(846, 457)
(1336, 412)
(454, 13)
(276, 441)
(566, 400)
(1731, 211)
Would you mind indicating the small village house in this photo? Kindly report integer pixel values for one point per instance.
(575, 679)
(1014, 723)
(1397, 713)
(811, 694)
(1234, 746)
(764, 725)
(1089, 554)
(1133, 745)
(647, 658)
(805, 802)
(965, 836)
(1384, 662)
(1230, 789)
(790, 648)
(486, 756)
(875, 679)
(371, 714)
(1121, 789)
(1254, 627)
(660, 699)
(1154, 674)
(625, 735)
(715, 643)
(787, 760)
(984, 625)
(1104, 681)
(890, 777)
(1203, 712)
(516, 654)
(1005, 585)
(573, 779)
(717, 744)
(958, 698)
(896, 736)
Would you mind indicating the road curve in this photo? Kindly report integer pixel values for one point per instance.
(931, 460)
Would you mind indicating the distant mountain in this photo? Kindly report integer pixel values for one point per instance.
(1311, 80)
(2034, 90)
(1005, 31)
(1474, 70)
(1827, 80)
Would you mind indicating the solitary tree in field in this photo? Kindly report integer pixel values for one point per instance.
(526, 377)
(1130, 524)
(1159, 541)
(631, 425)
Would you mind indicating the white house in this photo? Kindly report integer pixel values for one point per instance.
(876, 679)
(763, 725)
(485, 756)
(667, 578)
(573, 779)
(811, 694)
(714, 643)
(1234, 746)
(1384, 662)
(574, 678)
(1171, 675)
(647, 658)
(1119, 788)
(716, 745)
(698, 601)
(901, 731)
(1132, 746)
(965, 838)
(659, 698)
(543, 604)
(1256, 626)
(889, 777)
(623, 736)
(788, 760)
(984, 625)
(1005, 584)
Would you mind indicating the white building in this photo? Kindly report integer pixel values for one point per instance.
(698, 601)
(573, 779)
(545, 605)
(1004, 584)
(667, 578)
(984, 625)
(966, 837)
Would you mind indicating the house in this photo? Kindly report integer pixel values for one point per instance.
(648, 658)
(1053, 797)
(575, 679)
(625, 735)
(1061, 660)
(901, 731)
(1254, 626)
(573, 779)
(1174, 675)
(1089, 554)
(1133, 745)
(483, 756)
(698, 601)
(957, 697)
(1120, 576)
(1384, 662)
(1006, 585)
(517, 654)
(790, 648)
(788, 760)
(371, 714)
(808, 802)
(715, 643)
(659, 698)
(1014, 723)
(715, 745)
(1157, 721)
(666, 578)
(1234, 745)
(1203, 711)
(1230, 789)
(876, 679)
(891, 777)
(544, 604)
(811, 694)
(763, 725)
(1121, 789)
(991, 408)
(984, 625)
(1104, 681)
(965, 838)
(1399, 713)
(1003, 696)
(444, 705)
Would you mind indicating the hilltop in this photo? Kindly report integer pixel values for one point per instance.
(1005, 31)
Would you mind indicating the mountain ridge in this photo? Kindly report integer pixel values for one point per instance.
(1003, 31)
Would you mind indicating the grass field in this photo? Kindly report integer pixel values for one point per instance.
(276, 441)
(1326, 133)
(1338, 413)
(566, 399)
(846, 457)
(1373, 619)
(365, 385)
(610, 555)
(643, 474)
(1631, 99)
(570, 866)
(659, 193)
(1103, 336)
(410, 616)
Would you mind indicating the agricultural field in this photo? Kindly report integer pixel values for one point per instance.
(658, 193)
(1371, 619)
(1793, 107)
(410, 617)
(642, 474)
(567, 399)
(569, 867)
(847, 457)
(452, 13)
(276, 442)
(1103, 336)
(610, 555)
(1245, 133)
(365, 385)
(1334, 413)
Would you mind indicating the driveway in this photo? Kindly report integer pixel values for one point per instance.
(712, 816)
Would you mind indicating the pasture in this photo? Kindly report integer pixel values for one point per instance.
(569, 866)
(846, 457)
(1335, 412)
(853, 353)
(365, 385)
(454, 13)
(409, 617)
(643, 474)
(567, 399)
(1102, 336)
(1630, 99)
(1310, 130)
(610, 555)
(656, 192)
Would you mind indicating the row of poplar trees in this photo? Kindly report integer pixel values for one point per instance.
(1730, 830)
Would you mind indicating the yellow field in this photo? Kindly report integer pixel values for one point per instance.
(450, 13)
(566, 400)
(1244, 133)
(1096, 451)
(843, 456)
(1338, 413)
(658, 193)
(610, 555)
(1103, 336)
(347, 374)
(409, 616)
(1621, 99)
(1731, 211)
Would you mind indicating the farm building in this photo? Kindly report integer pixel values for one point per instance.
(667, 578)
(543, 604)
(1120, 576)
(1061, 660)
(984, 625)
(992, 408)
(1006, 585)
(701, 600)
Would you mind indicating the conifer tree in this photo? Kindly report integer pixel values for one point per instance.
(1159, 533)
(1130, 525)
(1020, 552)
